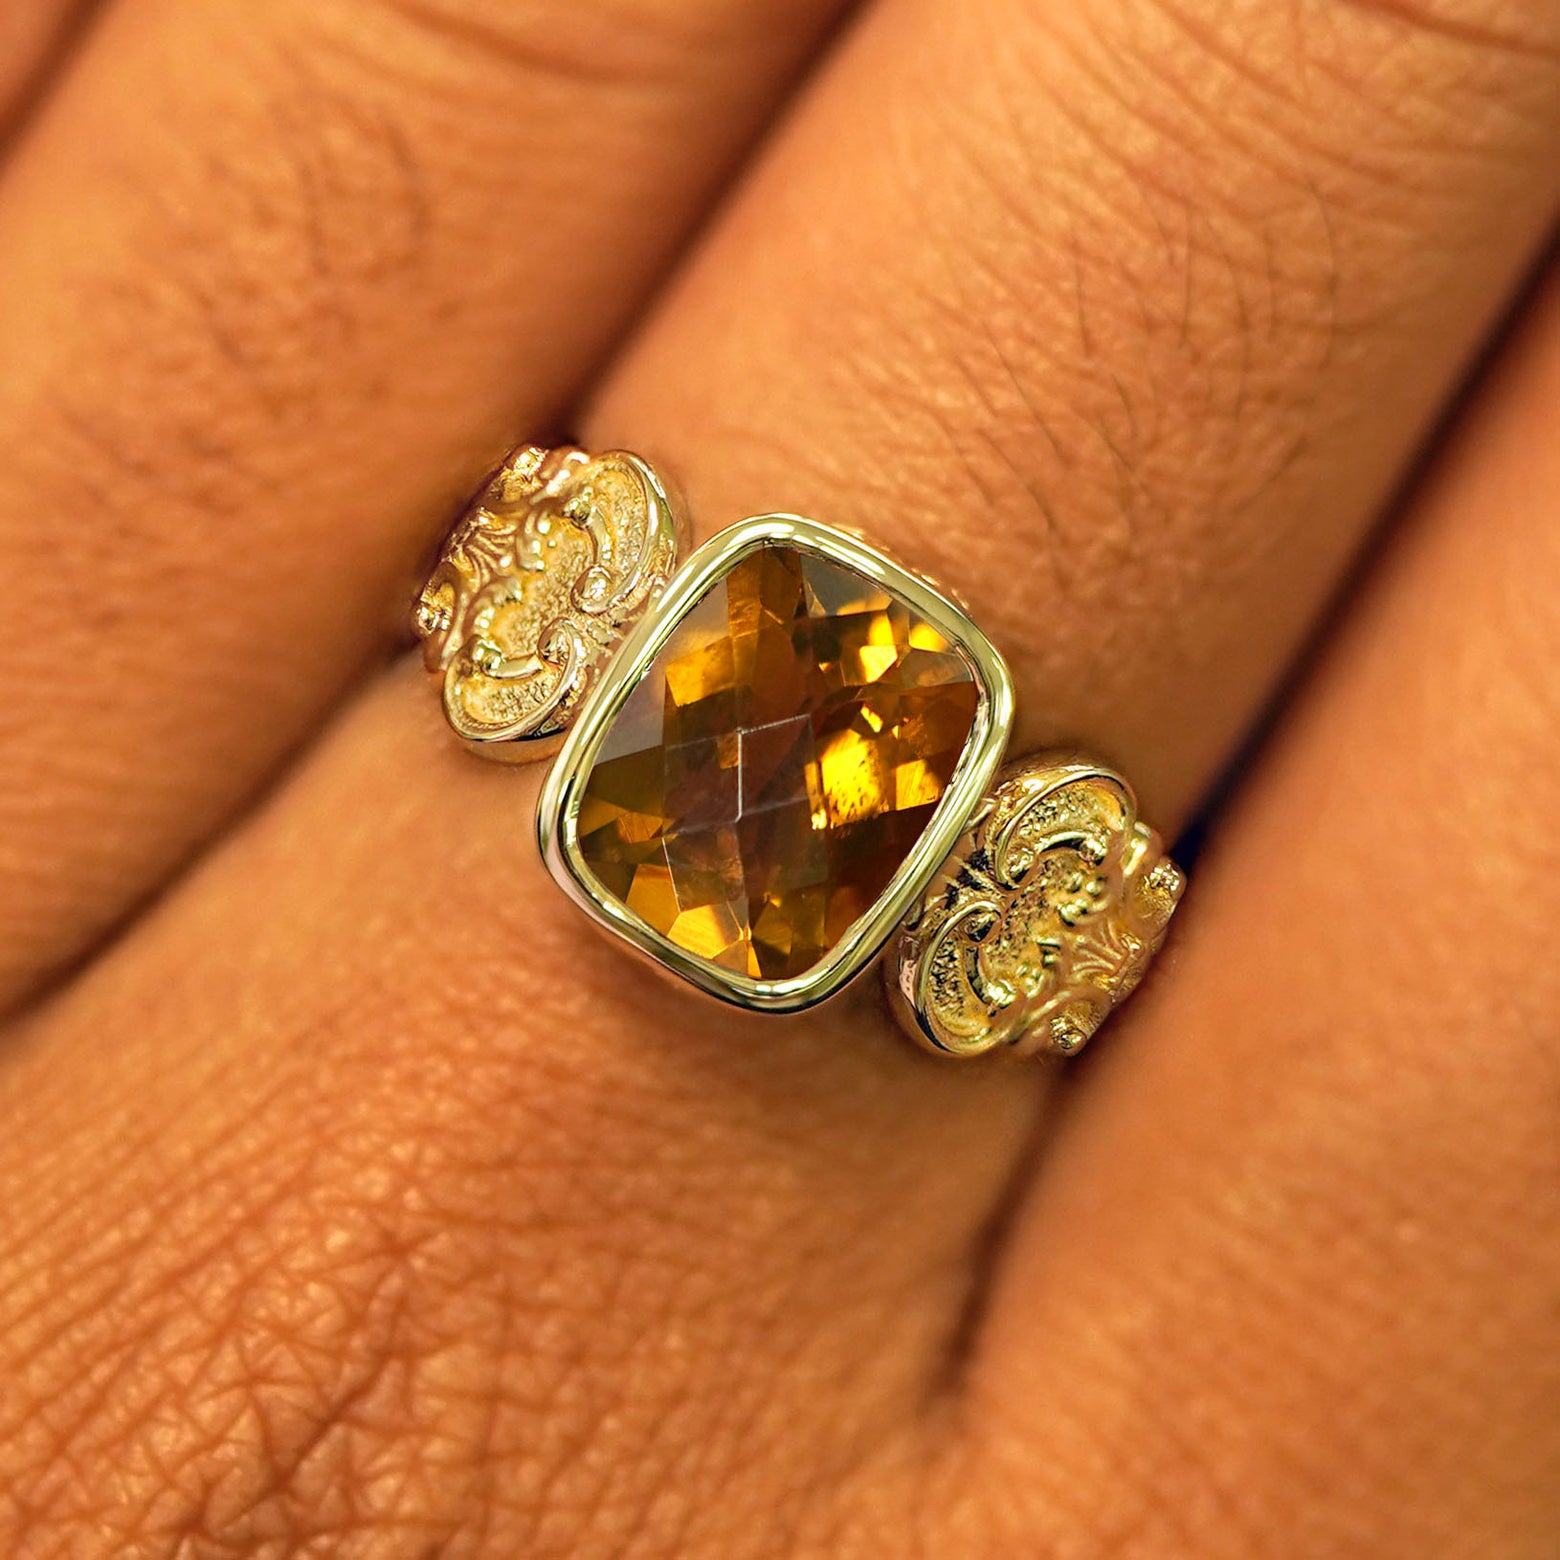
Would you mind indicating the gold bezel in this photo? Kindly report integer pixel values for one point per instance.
(558, 810)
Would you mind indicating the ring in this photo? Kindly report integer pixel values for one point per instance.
(783, 758)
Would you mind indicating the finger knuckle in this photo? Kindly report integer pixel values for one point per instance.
(648, 47)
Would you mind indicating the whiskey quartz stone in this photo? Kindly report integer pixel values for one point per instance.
(776, 763)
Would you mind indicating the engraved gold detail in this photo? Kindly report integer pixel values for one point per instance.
(1046, 915)
(536, 586)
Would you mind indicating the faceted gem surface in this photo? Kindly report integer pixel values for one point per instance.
(776, 763)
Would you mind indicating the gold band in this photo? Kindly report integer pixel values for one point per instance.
(1045, 916)
(538, 582)
(782, 757)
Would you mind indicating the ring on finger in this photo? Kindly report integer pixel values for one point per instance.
(783, 757)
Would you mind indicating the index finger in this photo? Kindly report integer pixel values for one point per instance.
(280, 282)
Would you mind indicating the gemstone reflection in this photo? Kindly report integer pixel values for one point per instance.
(776, 763)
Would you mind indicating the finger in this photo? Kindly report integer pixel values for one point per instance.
(769, 1226)
(481, 1229)
(34, 37)
(1133, 373)
(277, 290)
(1296, 1258)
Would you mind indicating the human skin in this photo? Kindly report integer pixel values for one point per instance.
(356, 1199)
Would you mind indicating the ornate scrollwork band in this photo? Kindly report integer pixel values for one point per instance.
(536, 585)
(1045, 916)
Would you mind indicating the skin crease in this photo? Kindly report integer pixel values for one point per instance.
(357, 1201)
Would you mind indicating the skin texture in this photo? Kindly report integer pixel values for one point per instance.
(356, 1200)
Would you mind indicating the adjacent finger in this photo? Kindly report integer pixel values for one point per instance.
(1131, 344)
(1295, 1260)
(279, 286)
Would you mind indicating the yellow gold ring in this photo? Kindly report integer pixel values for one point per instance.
(783, 756)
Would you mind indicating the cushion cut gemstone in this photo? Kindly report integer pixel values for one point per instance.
(776, 763)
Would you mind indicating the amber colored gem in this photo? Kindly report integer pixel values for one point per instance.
(776, 763)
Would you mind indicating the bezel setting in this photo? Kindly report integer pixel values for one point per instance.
(563, 792)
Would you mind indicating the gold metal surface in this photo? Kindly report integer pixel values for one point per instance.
(1042, 920)
(535, 588)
